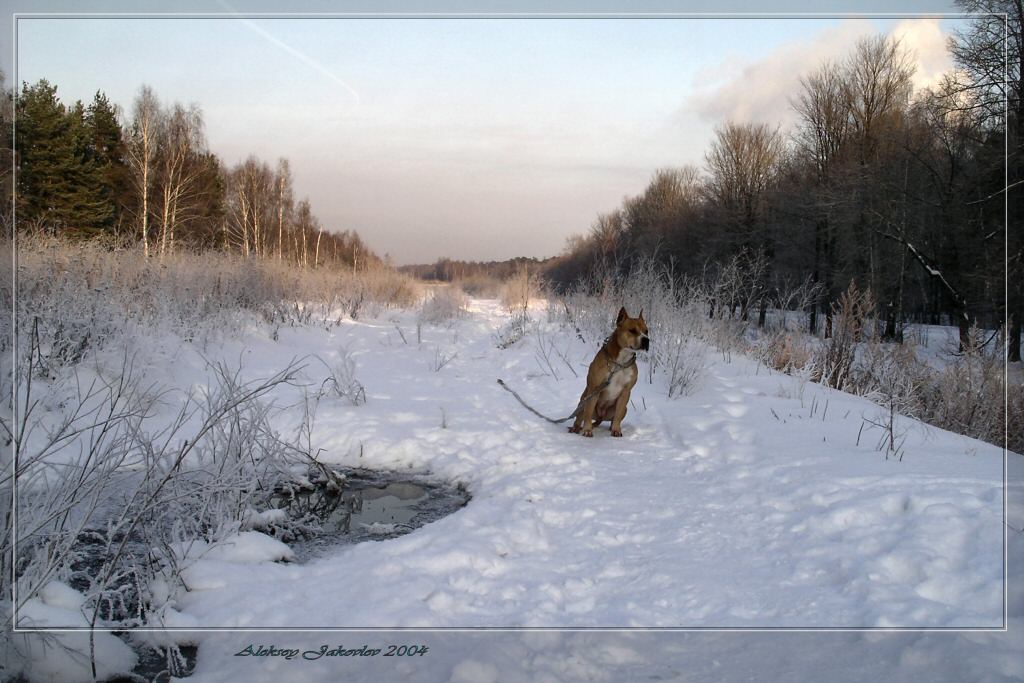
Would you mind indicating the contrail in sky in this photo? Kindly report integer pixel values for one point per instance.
(305, 59)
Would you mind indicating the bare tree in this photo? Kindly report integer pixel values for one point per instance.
(141, 153)
(606, 234)
(283, 183)
(652, 217)
(251, 197)
(824, 123)
(743, 161)
(181, 144)
(990, 54)
(821, 135)
(305, 225)
(877, 87)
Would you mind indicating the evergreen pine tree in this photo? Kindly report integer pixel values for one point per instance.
(58, 183)
(45, 156)
(86, 210)
(106, 149)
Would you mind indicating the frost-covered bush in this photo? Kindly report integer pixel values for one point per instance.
(967, 397)
(115, 481)
(78, 296)
(479, 285)
(443, 305)
(512, 331)
(117, 478)
(340, 380)
(788, 351)
(676, 316)
(517, 291)
(687, 319)
(852, 323)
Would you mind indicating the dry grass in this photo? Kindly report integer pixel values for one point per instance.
(81, 294)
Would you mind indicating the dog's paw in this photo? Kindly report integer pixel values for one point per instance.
(588, 432)
(616, 432)
(574, 430)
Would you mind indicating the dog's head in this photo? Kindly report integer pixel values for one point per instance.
(631, 333)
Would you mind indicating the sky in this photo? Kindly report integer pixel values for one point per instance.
(472, 138)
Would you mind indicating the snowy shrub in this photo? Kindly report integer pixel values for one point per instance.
(378, 288)
(551, 349)
(442, 358)
(967, 397)
(116, 477)
(78, 296)
(852, 322)
(684, 363)
(442, 306)
(480, 285)
(737, 288)
(785, 350)
(892, 376)
(790, 303)
(517, 291)
(676, 318)
(341, 381)
(512, 331)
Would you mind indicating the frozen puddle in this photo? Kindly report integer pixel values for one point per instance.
(372, 506)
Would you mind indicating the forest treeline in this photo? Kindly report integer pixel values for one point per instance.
(453, 270)
(897, 191)
(148, 178)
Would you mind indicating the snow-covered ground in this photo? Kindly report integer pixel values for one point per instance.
(747, 504)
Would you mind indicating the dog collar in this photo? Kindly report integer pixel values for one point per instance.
(620, 366)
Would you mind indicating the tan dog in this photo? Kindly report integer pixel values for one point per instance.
(612, 376)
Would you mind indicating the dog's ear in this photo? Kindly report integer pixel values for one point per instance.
(641, 316)
(622, 315)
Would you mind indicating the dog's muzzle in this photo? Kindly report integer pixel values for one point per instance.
(645, 343)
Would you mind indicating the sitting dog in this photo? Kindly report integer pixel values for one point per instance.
(611, 376)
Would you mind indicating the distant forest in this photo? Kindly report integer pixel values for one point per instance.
(449, 270)
(914, 196)
(902, 193)
(150, 179)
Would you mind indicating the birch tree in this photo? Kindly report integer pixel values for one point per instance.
(283, 197)
(181, 146)
(141, 154)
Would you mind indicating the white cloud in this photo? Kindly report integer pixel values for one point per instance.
(760, 91)
(926, 40)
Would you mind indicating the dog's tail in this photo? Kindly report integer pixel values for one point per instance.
(532, 410)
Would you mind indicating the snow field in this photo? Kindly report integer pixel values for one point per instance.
(746, 504)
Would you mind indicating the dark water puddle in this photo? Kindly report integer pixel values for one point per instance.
(372, 506)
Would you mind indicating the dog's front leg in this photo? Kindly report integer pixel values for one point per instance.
(621, 404)
(587, 426)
